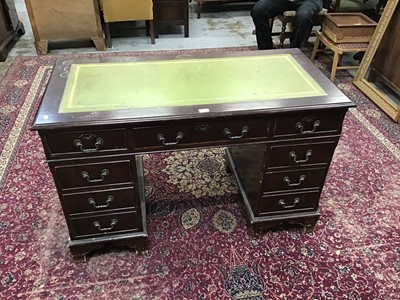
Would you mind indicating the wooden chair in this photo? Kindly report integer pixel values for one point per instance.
(286, 20)
(338, 50)
(127, 10)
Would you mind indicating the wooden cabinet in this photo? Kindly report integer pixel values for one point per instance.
(171, 11)
(10, 27)
(63, 21)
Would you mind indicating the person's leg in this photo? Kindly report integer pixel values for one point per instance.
(302, 22)
(260, 13)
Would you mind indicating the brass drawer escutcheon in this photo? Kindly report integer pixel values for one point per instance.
(203, 127)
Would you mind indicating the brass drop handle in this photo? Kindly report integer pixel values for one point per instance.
(287, 180)
(107, 204)
(103, 175)
(283, 203)
(228, 133)
(99, 228)
(78, 144)
(293, 155)
(161, 139)
(300, 127)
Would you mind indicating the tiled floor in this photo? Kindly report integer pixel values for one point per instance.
(213, 29)
(230, 28)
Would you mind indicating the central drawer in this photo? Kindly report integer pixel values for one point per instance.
(195, 134)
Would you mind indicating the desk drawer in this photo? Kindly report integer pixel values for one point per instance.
(92, 174)
(308, 124)
(178, 136)
(294, 180)
(106, 224)
(288, 203)
(85, 143)
(300, 154)
(98, 201)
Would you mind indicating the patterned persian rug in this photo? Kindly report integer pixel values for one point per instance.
(199, 247)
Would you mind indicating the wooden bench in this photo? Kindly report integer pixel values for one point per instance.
(338, 50)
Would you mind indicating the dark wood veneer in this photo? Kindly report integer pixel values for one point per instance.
(260, 157)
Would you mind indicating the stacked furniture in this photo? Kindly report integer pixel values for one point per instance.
(338, 50)
(341, 33)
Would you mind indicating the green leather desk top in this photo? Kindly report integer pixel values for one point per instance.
(185, 82)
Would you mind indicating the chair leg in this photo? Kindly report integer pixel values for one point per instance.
(336, 58)
(152, 35)
(108, 35)
(315, 49)
(282, 36)
(198, 9)
(156, 30)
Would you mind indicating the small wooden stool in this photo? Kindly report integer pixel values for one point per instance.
(338, 49)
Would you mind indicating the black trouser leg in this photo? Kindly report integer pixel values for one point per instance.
(261, 12)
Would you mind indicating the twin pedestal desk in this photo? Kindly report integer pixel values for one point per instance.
(276, 114)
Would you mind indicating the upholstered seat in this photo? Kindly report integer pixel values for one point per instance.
(127, 10)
